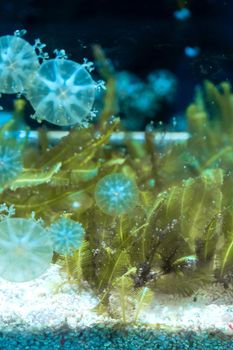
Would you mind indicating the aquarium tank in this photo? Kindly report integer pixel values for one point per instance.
(116, 175)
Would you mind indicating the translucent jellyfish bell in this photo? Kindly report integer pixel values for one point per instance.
(11, 164)
(25, 249)
(62, 92)
(18, 63)
(116, 194)
(67, 235)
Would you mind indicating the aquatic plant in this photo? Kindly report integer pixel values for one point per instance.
(62, 92)
(18, 64)
(67, 235)
(116, 194)
(11, 164)
(122, 305)
(156, 217)
(25, 249)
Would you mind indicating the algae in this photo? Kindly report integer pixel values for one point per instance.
(177, 237)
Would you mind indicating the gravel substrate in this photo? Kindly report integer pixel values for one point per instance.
(49, 314)
(106, 338)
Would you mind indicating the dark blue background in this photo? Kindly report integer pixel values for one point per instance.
(138, 36)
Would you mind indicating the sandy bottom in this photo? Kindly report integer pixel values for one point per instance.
(48, 303)
(210, 309)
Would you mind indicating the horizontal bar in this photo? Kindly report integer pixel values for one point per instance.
(117, 138)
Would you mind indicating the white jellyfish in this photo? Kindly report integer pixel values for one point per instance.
(18, 63)
(25, 249)
(62, 92)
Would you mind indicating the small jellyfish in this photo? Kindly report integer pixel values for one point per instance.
(127, 84)
(67, 235)
(182, 14)
(116, 194)
(136, 100)
(18, 64)
(11, 164)
(163, 83)
(25, 249)
(192, 51)
(62, 92)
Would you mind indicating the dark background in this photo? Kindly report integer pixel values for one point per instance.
(137, 36)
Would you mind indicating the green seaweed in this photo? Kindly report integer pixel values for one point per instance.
(179, 235)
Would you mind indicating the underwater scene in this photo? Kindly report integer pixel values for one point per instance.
(116, 175)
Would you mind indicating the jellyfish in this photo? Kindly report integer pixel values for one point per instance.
(62, 92)
(192, 51)
(116, 194)
(163, 83)
(182, 14)
(18, 64)
(11, 164)
(25, 249)
(67, 235)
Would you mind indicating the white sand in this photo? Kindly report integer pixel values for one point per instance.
(212, 310)
(40, 304)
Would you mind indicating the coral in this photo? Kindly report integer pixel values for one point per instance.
(25, 249)
(62, 92)
(67, 235)
(116, 194)
(10, 163)
(18, 64)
